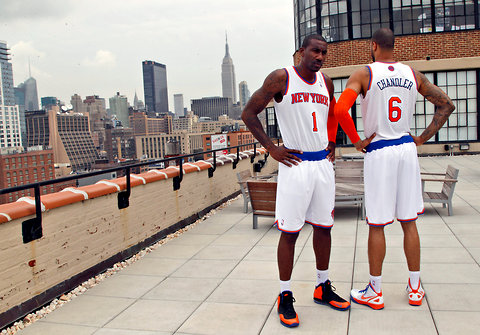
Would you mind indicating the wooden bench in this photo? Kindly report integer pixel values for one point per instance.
(449, 180)
(263, 195)
(243, 177)
(349, 188)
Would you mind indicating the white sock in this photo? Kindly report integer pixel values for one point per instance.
(285, 286)
(414, 279)
(322, 276)
(376, 283)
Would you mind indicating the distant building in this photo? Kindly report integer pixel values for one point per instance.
(144, 125)
(48, 102)
(26, 97)
(224, 140)
(178, 105)
(119, 107)
(210, 126)
(19, 167)
(155, 87)
(119, 143)
(10, 130)
(228, 76)
(97, 113)
(77, 104)
(66, 133)
(244, 93)
(212, 107)
(157, 146)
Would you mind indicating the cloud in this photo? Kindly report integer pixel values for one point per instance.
(26, 49)
(15, 10)
(102, 58)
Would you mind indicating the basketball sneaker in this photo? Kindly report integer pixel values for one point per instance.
(324, 294)
(288, 316)
(415, 297)
(368, 297)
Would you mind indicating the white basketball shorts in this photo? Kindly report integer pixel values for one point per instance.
(305, 193)
(393, 186)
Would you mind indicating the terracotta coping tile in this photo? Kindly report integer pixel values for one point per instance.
(153, 175)
(203, 165)
(54, 200)
(189, 167)
(97, 190)
(171, 171)
(15, 210)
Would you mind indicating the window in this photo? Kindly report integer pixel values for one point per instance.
(368, 16)
(334, 20)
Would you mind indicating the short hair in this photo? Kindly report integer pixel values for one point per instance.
(307, 39)
(384, 38)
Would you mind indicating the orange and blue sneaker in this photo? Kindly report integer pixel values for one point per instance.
(324, 294)
(368, 297)
(288, 316)
(415, 297)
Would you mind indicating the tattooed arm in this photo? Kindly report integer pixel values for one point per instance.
(443, 107)
(273, 86)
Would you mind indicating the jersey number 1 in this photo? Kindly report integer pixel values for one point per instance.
(314, 115)
(394, 111)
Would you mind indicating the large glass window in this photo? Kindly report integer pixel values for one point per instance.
(454, 15)
(461, 87)
(368, 16)
(334, 20)
(412, 16)
(424, 111)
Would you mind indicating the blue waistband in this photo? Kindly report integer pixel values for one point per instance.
(313, 155)
(387, 143)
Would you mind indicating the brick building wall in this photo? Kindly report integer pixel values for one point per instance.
(407, 48)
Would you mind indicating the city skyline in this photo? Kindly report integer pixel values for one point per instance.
(74, 49)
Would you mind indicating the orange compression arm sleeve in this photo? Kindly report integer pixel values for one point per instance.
(332, 123)
(345, 102)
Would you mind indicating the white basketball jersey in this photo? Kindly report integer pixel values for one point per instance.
(389, 104)
(303, 112)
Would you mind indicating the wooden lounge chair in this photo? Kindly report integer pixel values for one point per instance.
(449, 180)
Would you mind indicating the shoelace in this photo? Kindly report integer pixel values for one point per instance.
(365, 290)
(288, 303)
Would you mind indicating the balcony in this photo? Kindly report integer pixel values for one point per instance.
(219, 276)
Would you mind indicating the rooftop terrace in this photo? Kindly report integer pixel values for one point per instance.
(220, 277)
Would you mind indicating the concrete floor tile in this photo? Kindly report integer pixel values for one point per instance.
(175, 251)
(393, 255)
(475, 253)
(316, 320)
(245, 291)
(470, 241)
(453, 323)
(47, 328)
(338, 272)
(232, 239)
(465, 228)
(450, 273)
(194, 239)
(453, 297)
(220, 318)
(223, 252)
(434, 241)
(391, 322)
(272, 237)
(435, 228)
(154, 315)
(446, 255)
(183, 289)
(160, 267)
(105, 331)
(263, 270)
(125, 286)
(267, 253)
(205, 268)
(209, 228)
(88, 310)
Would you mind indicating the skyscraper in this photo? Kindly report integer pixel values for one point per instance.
(178, 105)
(119, 107)
(212, 107)
(10, 135)
(155, 87)
(244, 93)
(228, 76)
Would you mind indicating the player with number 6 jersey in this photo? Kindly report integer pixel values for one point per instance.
(388, 92)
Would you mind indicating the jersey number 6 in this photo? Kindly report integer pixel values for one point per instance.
(394, 111)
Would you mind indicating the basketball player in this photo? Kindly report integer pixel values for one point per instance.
(303, 99)
(388, 92)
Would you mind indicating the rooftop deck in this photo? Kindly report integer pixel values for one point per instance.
(220, 277)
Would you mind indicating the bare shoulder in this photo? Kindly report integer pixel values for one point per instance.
(359, 80)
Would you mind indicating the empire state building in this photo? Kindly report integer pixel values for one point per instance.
(228, 76)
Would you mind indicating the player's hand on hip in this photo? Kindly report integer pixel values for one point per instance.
(331, 154)
(285, 156)
(361, 144)
(417, 139)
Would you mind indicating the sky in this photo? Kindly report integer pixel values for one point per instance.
(97, 47)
